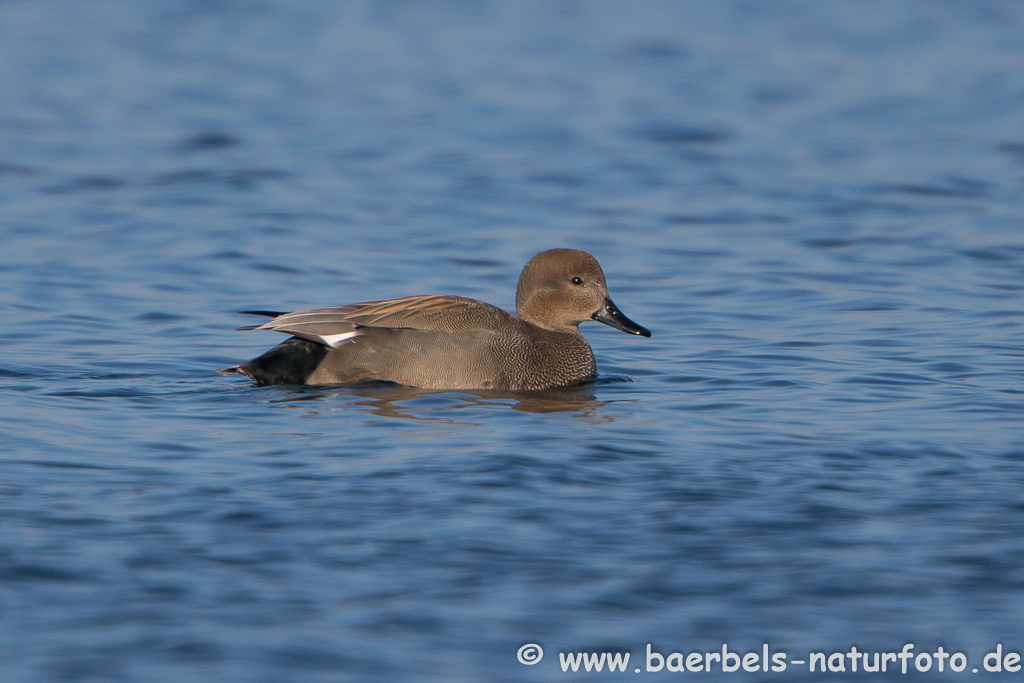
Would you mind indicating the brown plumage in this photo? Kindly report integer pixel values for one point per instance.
(450, 342)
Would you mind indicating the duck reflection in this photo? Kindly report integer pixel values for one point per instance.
(411, 403)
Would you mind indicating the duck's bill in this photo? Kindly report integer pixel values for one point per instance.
(610, 315)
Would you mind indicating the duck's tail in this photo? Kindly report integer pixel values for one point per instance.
(290, 362)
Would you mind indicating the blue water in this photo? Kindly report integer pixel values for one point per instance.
(817, 208)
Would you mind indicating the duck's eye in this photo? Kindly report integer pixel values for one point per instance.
(577, 281)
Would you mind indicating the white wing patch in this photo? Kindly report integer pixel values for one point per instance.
(333, 340)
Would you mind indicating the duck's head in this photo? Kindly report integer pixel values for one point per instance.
(560, 288)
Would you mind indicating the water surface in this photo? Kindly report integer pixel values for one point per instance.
(816, 208)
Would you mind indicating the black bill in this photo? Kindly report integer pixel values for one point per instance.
(610, 315)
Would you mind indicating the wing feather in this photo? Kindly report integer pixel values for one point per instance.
(337, 324)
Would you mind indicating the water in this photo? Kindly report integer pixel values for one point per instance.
(816, 208)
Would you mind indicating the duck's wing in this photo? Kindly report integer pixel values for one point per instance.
(335, 325)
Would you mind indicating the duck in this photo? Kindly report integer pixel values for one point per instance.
(450, 342)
